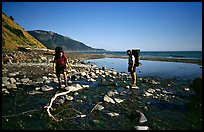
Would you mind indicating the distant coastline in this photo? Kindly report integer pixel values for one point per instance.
(115, 54)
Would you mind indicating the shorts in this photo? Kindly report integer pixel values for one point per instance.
(131, 70)
(60, 69)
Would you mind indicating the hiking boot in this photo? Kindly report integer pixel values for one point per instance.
(134, 86)
(65, 83)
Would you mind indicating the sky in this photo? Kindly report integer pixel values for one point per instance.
(116, 26)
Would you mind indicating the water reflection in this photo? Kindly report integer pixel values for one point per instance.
(161, 69)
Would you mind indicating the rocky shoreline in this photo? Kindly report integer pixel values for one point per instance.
(102, 99)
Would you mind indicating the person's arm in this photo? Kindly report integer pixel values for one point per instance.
(69, 66)
(54, 67)
(133, 61)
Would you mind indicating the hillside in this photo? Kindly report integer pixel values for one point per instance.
(14, 36)
(51, 40)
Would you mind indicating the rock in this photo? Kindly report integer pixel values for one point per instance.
(83, 74)
(46, 88)
(12, 80)
(141, 127)
(142, 117)
(85, 86)
(33, 92)
(81, 116)
(55, 80)
(118, 100)
(59, 100)
(114, 73)
(5, 91)
(154, 82)
(93, 75)
(111, 93)
(76, 93)
(113, 114)
(12, 74)
(108, 99)
(186, 89)
(4, 79)
(25, 80)
(146, 94)
(91, 80)
(69, 97)
(145, 80)
(44, 78)
(150, 90)
(37, 88)
(74, 87)
(140, 79)
(11, 86)
(99, 107)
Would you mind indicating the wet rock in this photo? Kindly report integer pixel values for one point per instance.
(33, 92)
(46, 88)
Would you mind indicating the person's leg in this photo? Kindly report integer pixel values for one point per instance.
(65, 79)
(59, 80)
(134, 79)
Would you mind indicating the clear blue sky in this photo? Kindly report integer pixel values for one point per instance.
(116, 26)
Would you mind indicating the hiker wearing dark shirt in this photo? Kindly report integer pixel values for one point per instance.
(131, 68)
(59, 65)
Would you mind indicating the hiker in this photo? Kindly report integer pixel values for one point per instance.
(131, 68)
(59, 65)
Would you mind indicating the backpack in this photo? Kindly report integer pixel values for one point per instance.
(63, 59)
(136, 53)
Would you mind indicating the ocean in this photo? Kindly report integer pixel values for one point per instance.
(156, 54)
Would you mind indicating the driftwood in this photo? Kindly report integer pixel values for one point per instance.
(25, 112)
(70, 89)
(95, 106)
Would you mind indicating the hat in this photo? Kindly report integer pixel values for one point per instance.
(58, 49)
